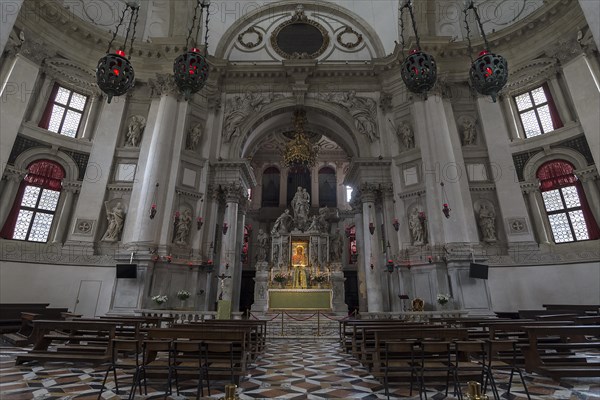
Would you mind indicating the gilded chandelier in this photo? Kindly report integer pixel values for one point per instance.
(300, 152)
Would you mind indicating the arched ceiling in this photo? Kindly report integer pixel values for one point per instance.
(164, 21)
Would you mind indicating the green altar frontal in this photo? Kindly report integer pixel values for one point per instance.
(300, 299)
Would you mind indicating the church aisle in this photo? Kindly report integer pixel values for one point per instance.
(289, 369)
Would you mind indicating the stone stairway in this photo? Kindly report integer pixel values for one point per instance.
(302, 325)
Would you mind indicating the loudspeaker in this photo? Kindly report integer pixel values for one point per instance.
(127, 271)
(478, 271)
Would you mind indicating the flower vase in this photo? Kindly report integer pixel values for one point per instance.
(443, 306)
(182, 304)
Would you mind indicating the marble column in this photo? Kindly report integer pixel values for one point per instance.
(512, 203)
(234, 194)
(13, 179)
(360, 263)
(236, 274)
(591, 10)
(536, 207)
(90, 205)
(9, 11)
(443, 163)
(154, 166)
(69, 193)
(586, 99)
(15, 95)
(370, 250)
(392, 279)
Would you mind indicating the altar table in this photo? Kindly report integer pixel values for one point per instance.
(300, 299)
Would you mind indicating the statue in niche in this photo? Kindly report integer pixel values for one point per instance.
(469, 131)
(335, 247)
(137, 123)
(301, 206)
(406, 135)
(116, 218)
(193, 137)
(415, 225)
(364, 112)
(182, 228)
(283, 224)
(238, 110)
(262, 245)
(487, 222)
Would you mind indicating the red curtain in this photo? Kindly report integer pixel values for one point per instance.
(556, 121)
(9, 225)
(43, 173)
(45, 120)
(590, 221)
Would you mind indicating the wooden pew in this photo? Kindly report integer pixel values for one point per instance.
(573, 336)
(10, 314)
(23, 336)
(46, 333)
(593, 309)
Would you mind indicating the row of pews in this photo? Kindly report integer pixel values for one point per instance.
(552, 342)
(231, 345)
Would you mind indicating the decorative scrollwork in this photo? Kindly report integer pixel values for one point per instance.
(349, 31)
(300, 18)
(250, 44)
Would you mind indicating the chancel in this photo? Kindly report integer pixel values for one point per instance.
(308, 170)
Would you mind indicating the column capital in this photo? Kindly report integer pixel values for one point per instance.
(234, 193)
(565, 50)
(71, 186)
(368, 192)
(587, 174)
(14, 174)
(34, 50)
(164, 85)
(529, 187)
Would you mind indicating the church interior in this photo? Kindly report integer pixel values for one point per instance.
(211, 170)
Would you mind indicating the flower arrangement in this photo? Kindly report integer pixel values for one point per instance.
(160, 299)
(443, 299)
(183, 295)
(318, 278)
(280, 278)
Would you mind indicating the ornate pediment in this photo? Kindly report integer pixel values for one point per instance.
(73, 74)
(534, 71)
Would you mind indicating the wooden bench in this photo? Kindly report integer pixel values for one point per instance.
(573, 336)
(49, 335)
(23, 336)
(593, 309)
(10, 314)
(258, 331)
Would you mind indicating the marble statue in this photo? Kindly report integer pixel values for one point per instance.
(335, 247)
(469, 132)
(283, 224)
(193, 137)
(415, 225)
(116, 218)
(137, 123)
(262, 245)
(314, 226)
(239, 108)
(182, 230)
(406, 135)
(487, 222)
(362, 109)
(301, 206)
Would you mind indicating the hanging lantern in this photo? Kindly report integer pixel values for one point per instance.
(419, 69)
(199, 223)
(396, 224)
(114, 73)
(390, 266)
(489, 72)
(371, 228)
(190, 69)
(446, 210)
(225, 228)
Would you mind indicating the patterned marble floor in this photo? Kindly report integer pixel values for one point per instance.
(307, 369)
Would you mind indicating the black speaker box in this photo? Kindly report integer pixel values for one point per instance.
(127, 271)
(478, 271)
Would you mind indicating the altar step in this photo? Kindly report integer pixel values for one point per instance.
(302, 325)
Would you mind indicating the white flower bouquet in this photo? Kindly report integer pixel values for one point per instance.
(183, 295)
(160, 299)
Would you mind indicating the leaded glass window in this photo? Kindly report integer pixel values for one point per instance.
(67, 112)
(534, 110)
(36, 214)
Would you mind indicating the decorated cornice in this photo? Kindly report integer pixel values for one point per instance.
(489, 187)
(13, 174)
(411, 194)
(529, 73)
(164, 85)
(192, 194)
(69, 72)
(72, 186)
(119, 188)
(234, 193)
(222, 171)
(529, 187)
(587, 174)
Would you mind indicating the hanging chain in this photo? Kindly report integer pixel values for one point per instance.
(116, 30)
(128, 25)
(135, 21)
(487, 45)
(402, 29)
(189, 36)
(414, 23)
(469, 48)
(206, 35)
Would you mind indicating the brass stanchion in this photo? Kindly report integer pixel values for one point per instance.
(474, 391)
(282, 323)
(230, 392)
(318, 323)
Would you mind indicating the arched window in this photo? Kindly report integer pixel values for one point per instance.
(270, 187)
(33, 211)
(569, 214)
(327, 187)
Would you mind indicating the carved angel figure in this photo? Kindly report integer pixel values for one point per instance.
(364, 111)
(116, 218)
(137, 123)
(238, 110)
(193, 137)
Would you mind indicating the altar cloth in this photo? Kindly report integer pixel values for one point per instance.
(300, 299)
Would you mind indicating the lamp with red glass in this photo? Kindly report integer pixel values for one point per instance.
(390, 266)
(190, 69)
(199, 223)
(225, 228)
(396, 224)
(489, 72)
(371, 228)
(114, 73)
(419, 69)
